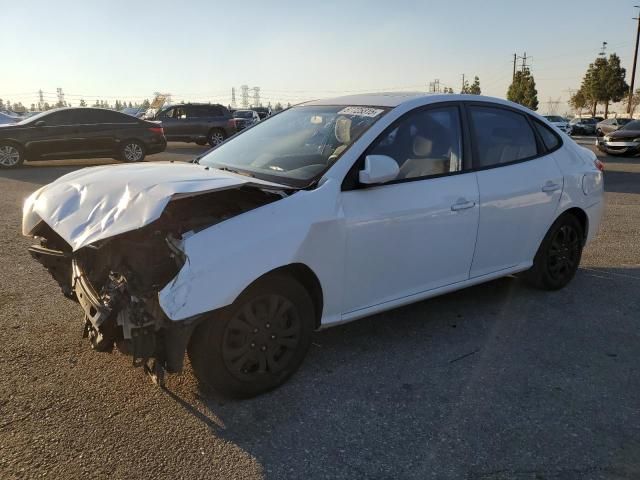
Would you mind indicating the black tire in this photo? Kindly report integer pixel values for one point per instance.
(132, 151)
(11, 155)
(599, 133)
(215, 137)
(558, 256)
(258, 342)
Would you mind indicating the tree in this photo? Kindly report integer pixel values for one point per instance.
(277, 107)
(523, 90)
(604, 82)
(1, 104)
(130, 106)
(473, 89)
(83, 103)
(146, 104)
(578, 101)
(33, 107)
(635, 101)
(616, 88)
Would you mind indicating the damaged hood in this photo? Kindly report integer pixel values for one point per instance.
(95, 203)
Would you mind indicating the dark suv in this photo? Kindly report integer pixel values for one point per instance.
(195, 122)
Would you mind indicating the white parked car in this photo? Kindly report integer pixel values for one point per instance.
(560, 122)
(325, 213)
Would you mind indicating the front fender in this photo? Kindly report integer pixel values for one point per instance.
(224, 259)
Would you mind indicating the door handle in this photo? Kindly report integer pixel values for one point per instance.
(462, 205)
(550, 187)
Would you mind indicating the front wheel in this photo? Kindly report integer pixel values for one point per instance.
(11, 156)
(558, 257)
(132, 151)
(258, 342)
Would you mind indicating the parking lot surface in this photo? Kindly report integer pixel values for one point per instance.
(497, 381)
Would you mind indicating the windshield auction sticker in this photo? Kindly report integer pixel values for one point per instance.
(361, 111)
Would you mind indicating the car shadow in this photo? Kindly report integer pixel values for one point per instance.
(432, 387)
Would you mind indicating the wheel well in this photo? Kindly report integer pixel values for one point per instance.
(581, 216)
(309, 281)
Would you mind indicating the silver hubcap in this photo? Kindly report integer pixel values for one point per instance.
(133, 152)
(216, 138)
(9, 156)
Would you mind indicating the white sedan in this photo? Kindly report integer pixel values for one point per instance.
(325, 213)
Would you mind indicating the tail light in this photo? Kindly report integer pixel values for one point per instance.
(157, 130)
(599, 164)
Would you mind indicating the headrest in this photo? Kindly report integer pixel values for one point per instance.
(422, 146)
(343, 130)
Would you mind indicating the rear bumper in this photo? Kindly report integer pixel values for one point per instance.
(152, 148)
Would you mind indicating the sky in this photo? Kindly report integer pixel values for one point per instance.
(197, 50)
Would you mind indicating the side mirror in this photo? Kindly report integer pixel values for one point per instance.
(378, 169)
(40, 123)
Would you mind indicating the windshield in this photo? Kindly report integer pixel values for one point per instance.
(295, 146)
(633, 125)
(554, 118)
(243, 114)
(623, 121)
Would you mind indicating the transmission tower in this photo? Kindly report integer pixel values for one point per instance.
(40, 100)
(256, 96)
(233, 97)
(524, 67)
(244, 96)
(552, 106)
(60, 97)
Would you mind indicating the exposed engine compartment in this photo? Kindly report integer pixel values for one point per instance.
(116, 280)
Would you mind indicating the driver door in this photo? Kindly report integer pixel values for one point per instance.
(418, 232)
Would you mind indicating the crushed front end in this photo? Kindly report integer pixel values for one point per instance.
(116, 280)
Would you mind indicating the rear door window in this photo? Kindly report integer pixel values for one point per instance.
(500, 136)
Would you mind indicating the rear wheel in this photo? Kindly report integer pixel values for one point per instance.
(132, 151)
(258, 342)
(215, 137)
(11, 155)
(558, 257)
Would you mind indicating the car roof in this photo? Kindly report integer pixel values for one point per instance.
(395, 99)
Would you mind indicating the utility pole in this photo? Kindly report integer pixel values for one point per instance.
(635, 59)
(462, 89)
(515, 59)
(603, 50)
(40, 100)
(233, 97)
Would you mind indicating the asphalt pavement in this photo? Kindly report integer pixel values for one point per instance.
(497, 381)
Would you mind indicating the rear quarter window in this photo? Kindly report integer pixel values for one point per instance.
(549, 138)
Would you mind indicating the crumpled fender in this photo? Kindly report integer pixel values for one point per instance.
(224, 259)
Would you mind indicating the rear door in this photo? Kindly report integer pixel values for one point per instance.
(519, 184)
(103, 129)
